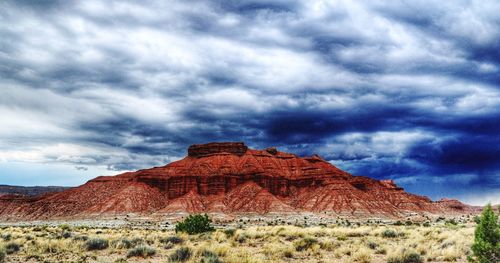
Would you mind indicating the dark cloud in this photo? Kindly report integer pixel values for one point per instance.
(459, 154)
(297, 126)
(81, 168)
(406, 90)
(251, 7)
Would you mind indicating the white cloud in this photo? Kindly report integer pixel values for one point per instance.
(377, 144)
(482, 199)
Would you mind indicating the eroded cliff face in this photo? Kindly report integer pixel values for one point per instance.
(217, 168)
(230, 178)
(203, 150)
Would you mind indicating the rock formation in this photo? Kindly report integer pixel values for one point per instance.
(230, 178)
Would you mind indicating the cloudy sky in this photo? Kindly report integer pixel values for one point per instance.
(408, 90)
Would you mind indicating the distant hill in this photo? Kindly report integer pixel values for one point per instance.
(30, 190)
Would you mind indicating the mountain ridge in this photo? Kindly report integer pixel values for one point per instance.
(230, 178)
(30, 190)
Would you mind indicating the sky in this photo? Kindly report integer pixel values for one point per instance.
(402, 90)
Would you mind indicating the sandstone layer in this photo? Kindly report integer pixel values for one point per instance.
(230, 178)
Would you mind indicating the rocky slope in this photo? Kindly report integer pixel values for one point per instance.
(229, 178)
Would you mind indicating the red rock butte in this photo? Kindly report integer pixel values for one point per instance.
(230, 178)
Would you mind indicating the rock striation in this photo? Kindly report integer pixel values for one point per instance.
(230, 178)
(202, 150)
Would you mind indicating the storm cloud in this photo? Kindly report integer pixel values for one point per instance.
(401, 90)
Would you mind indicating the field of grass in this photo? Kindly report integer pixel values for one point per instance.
(247, 243)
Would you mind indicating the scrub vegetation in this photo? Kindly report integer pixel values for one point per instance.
(356, 242)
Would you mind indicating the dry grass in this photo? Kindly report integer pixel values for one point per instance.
(282, 243)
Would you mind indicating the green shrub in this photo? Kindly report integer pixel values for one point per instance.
(412, 257)
(96, 244)
(451, 222)
(12, 247)
(406, 257)
(389, 233)
(398, 223)
(229, 232)
(2, 254)
(180, 255)
(195, 224)
(427, 224)
(305, 243)
(486, 247)
(141, 251)
(6, 236)
(209, 257)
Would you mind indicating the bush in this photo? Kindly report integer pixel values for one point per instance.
(6, 236)
(451, 222)
(486, 247)
(229, 232)
(305, 243)
(123, 243)
(66, 235)
(381, 251)
(209, 257)
(413, 257)
(80, 238)
(65, 227)
(406, 257)
(398, 223)
(127, 243)
(180, 255)
(372, 245)
(2, 254)
(172, 240)
(12, 248)
(427, 224)
(389, 233)
(241, 238)
(195, 224)
(137, 241)
(96, 244)
(141, 251)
